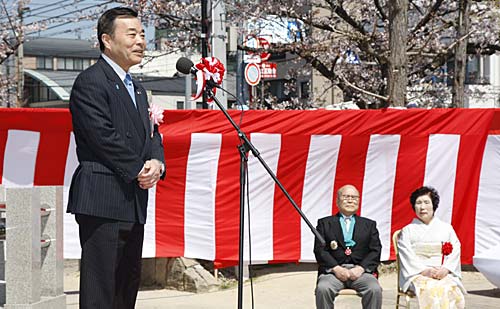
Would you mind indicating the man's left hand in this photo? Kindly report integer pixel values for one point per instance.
(356, 272)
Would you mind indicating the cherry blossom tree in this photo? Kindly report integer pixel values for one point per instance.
(328, 32)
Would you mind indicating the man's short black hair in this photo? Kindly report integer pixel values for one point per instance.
(425, 190)
(106, 23)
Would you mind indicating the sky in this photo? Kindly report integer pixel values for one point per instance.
(63, 16)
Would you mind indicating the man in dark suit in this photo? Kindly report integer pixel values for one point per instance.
(120, 159)
(351, 255)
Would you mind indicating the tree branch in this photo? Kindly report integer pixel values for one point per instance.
(432, 11)
(345, 16)
(380, 10)
(378, 96)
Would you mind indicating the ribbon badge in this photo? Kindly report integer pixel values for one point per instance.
(209, 68)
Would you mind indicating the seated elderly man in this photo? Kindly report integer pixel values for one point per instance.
(351, 255)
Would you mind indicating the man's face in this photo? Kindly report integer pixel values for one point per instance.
(348, 201)
(424, 208)
(127, 44)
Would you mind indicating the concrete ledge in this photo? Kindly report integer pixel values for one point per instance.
(44, 303)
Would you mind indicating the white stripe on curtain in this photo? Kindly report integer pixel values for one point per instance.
(261, 194)
(378, 185)
(487, 233)
(317, 194)
(199, 200)
(440, 170)
(20, 158)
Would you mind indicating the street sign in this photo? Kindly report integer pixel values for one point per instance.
(268, 70)
(255, 42)
(252, 74)
(263, 43)
(251, 58)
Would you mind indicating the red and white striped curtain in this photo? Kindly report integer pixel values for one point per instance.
(194, 213)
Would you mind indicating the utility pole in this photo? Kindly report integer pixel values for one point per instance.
(218, 41)
(187, 100)
(204, 35)
(19, 58)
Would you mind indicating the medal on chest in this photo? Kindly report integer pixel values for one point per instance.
(348, 251)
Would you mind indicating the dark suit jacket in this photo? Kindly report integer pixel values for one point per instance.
(113, 140)
(365, 253)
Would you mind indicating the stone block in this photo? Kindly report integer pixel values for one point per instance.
(22, 273)
(188, 275)
(52, 259)
(148, 270)
(2, 273)
(2, 194)
(160, 271)
(57, 302)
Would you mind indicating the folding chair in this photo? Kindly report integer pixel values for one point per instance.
(409, 294)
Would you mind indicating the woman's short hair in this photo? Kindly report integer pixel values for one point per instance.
(425, 190)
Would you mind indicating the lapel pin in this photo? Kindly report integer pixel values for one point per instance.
(117, 87)
(334, 245)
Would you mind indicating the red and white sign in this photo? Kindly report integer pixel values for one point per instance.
(252, 74)
(268, 70)
(386, 154)
(255, 42)
(264, 44)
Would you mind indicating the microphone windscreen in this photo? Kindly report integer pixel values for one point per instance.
(184, 65)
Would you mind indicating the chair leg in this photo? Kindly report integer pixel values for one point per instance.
(397, 301)
(407, 301)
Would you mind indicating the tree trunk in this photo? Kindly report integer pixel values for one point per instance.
(398, 36)
(458, 99)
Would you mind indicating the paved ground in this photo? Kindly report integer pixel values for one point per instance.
(289, 286)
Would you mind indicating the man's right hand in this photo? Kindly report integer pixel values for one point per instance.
(341, 273)
(150, 174)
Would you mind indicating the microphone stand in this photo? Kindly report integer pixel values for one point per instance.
(244, 147)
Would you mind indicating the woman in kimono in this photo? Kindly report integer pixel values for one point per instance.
(429, 255)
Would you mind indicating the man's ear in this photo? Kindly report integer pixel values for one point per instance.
(106, 38)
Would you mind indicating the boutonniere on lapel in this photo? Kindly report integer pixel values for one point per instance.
(155, 116)
(334, 245)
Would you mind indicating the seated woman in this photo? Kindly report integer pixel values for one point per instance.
(429, 255)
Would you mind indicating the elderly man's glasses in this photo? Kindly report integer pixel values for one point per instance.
(350, 197)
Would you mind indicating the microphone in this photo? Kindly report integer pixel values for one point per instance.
(185, 66)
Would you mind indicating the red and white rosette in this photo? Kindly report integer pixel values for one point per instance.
(209, 68)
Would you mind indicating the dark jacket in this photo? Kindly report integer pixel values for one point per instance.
(365, 253)
(113, 140)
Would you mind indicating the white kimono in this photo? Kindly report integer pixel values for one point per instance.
(419, 247)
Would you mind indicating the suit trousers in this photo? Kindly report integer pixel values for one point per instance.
(328, 287)
(110, 269)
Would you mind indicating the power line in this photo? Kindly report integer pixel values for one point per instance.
(68, 13)
(49, 5)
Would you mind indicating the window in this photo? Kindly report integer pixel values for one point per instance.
(304, 90)
(477, 71)
(78, 64)
(180, 104)
(69, 64)
(86, 63)
(61, 63)
(44, 62)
